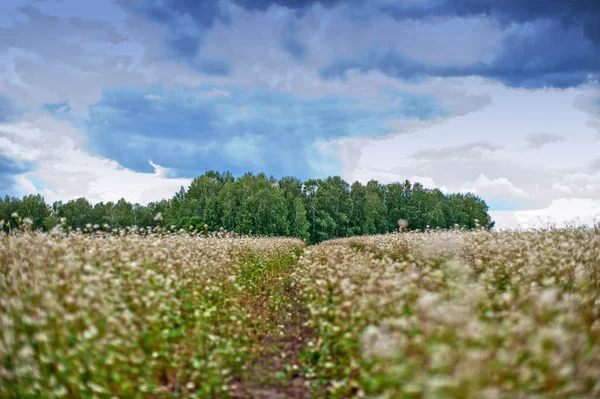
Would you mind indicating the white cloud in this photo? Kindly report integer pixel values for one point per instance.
(560, 213)
(499, 187)
(153, 97)
(68, 171)
(451, 152)
(427, 182)
(26, 185)
(561, 189)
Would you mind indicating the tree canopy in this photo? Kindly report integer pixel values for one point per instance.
(315, 210)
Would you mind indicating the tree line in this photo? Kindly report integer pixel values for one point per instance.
(315, 210)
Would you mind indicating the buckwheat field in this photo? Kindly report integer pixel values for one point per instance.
(440, 314)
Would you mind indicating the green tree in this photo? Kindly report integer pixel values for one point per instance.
(376, 215)
(8, 207)
(123, 213)
(331, 208)
(358, 218)
(35, 208)
(142, 216)
(294, 202)
(78, 213)
(315, 210)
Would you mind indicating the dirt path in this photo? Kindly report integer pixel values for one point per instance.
(277, 373)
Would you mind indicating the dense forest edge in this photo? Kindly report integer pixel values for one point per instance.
(315, 210)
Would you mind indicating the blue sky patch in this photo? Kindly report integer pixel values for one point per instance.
(503, 204)
(192, 130)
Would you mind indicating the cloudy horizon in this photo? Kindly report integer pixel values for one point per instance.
(134, 99)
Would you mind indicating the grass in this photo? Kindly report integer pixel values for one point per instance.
(439, 314)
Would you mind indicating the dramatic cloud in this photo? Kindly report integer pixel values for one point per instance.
(527, 57)
(545, 43)
(582, 13)
(193, 130)
(133, 98)
(538, 140)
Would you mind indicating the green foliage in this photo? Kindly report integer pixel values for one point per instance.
(191, 223)
(315, 210)
(15, 210)
(77, 213)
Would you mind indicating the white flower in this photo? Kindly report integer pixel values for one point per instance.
(548, 298)
(375, 342)
(427, 300)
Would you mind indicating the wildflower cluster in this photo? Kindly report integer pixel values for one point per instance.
(455, 314)
(129, 315)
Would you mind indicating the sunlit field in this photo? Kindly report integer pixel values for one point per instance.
(446, 314)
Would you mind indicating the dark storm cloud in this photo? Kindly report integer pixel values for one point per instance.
(545, 43)
(533, 55)
(584, 13)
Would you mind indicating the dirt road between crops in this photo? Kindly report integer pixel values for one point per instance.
(279, 353)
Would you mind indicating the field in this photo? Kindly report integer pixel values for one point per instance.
(441, 314)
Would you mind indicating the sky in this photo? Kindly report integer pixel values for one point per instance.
(133, 99)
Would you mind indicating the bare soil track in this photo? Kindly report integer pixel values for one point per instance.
(272, 375)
